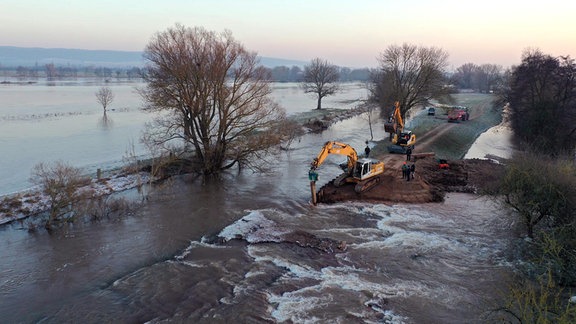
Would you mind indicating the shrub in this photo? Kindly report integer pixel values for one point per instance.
(542, 191)
(60, 183)
(539, 301)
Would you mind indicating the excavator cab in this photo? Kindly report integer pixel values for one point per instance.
(363, 168)
(404, 138)
(402, 141)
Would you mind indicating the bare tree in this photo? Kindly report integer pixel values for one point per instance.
(320, 78)
(411, 75)
(51, 72)
(482, 78)
(59, 182)
(105, 97)
(488, 77)
(216, 97)
(464, 76)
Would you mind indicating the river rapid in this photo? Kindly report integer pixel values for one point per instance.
(214, 253)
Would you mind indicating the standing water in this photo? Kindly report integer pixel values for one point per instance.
(49, 121)
(217, 252)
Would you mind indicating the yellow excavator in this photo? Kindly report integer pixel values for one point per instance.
(401, 139)
(363, 172)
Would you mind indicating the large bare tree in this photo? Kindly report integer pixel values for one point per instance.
(216, 99)
(320, 78)
(411, 75)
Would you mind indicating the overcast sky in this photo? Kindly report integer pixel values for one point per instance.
(345, 32)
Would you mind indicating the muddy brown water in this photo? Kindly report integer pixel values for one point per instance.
(177, 259)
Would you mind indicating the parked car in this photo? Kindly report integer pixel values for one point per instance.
(431, 111)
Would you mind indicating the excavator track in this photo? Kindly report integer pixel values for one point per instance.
(340, 180)
(366, 185)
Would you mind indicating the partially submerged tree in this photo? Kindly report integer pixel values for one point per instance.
(60, 183)
(105, 96)
(216, 99)
(542, 193)
(411, 75)
(320, 79)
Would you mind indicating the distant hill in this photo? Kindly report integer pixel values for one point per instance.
(11, 56)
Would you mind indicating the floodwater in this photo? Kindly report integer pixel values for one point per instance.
(45, 122)
(179, 259)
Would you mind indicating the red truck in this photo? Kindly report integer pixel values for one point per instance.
(457, 114)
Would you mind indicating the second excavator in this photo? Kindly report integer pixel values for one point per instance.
(363, 172)
(401, 139)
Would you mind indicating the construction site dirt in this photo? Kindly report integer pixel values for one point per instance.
(430, 183)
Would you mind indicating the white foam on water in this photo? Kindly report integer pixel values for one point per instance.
(390, 229)
(259, 255)
(192, 264)
(196, 244)
(354, 233)
(311, 289)
(296, 305)
(389, 316)
(254, 228)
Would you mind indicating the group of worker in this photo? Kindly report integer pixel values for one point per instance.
(408, 171)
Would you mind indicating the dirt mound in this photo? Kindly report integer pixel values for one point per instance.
(469, 175)
(430, 183)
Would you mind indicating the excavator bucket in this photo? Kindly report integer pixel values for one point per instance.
(390, 127)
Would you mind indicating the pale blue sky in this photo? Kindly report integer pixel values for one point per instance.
(346, 33)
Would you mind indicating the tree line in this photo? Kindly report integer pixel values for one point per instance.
(52, 71)
(539, 184)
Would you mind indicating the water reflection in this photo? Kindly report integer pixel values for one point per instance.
(105, 122)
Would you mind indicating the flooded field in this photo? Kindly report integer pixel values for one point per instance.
(46, 122)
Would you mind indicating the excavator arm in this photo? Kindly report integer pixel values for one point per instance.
(395, 124)
(332, 147)
(398, 116)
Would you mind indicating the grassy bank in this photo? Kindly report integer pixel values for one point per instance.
(453, 142)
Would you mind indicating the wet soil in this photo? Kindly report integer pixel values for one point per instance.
(430, 182)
